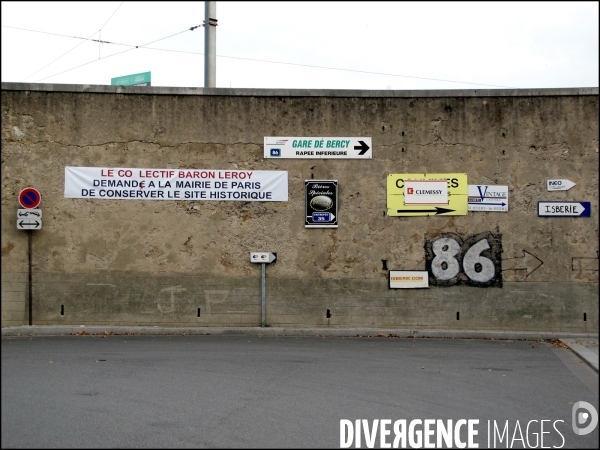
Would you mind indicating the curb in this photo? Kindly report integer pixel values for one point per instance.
(42, 330)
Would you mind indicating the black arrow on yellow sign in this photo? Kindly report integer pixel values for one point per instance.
(436, 210)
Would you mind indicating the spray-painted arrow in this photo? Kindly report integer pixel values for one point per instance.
(522, 263)
(362, 147)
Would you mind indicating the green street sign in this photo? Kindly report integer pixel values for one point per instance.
(138, 79)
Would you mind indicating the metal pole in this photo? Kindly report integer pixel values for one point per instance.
(29, 287)
(264, 302)
(210, 44)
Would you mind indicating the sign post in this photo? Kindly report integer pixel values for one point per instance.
(263, 258)
(29, 219)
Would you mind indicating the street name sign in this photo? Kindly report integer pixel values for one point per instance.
(406, 198)
(559, 185)
(488, 198)
(137, 79)
(318, 147)
(262, 257)
(564, 209)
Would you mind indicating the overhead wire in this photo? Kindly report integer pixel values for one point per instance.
(52, 62)
(119, 53)
(145, 47)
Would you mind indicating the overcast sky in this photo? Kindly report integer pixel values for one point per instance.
(305, 45)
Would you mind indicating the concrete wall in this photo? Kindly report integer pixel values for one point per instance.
(148, 262)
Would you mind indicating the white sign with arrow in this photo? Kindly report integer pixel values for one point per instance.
(29, 224)
(560, 185)
(488, 198)
(29, 219)
(318, 147)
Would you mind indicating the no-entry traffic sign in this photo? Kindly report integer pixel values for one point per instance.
(30, 198)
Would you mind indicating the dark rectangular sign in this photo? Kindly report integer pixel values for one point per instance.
(564, 209)
(321, 204)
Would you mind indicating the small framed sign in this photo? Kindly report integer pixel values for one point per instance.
(321, 204)
(408, 279)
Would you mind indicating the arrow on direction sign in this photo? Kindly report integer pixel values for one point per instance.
(492, 204)
(362, 147)
(29, 224)
(525, 262)
(437, 210)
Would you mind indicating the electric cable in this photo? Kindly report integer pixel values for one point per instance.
(52, 62)
(145, 47)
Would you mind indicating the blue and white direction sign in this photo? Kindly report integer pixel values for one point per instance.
(318, 147)
(559, 185)
(564, 209)
(487, 198)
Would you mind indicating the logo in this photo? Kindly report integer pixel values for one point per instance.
(580, 418)
(276, 152)
(410, 190)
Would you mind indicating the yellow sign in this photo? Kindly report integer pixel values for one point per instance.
(458, 199)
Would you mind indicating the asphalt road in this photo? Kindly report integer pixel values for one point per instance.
(286, 392)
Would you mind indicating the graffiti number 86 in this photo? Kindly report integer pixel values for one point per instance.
(445, 266)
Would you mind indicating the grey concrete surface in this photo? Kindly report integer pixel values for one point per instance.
(97, 391)
(585, 348)
(166, 90)
(585, 345)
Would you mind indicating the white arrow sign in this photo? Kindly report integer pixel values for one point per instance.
(262, 257)
(29, 224)
(560, 185)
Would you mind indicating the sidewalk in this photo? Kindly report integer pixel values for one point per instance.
(586, 349)
(584, 345)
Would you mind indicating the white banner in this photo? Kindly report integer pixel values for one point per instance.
(176, 184)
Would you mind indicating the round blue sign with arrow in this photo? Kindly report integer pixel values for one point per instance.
(30, 198)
